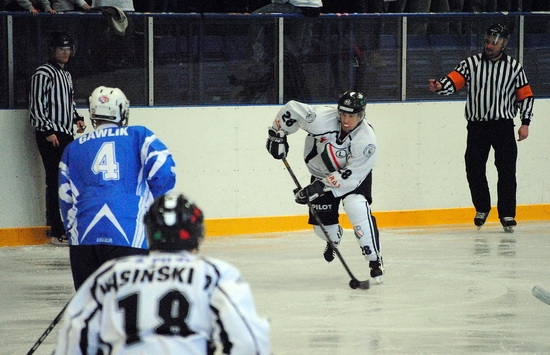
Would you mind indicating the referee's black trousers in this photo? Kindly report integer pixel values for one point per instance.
(51, 156)
(481, 137)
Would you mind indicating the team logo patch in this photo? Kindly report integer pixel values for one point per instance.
(369, 150)
(310, 117)
(103, 99)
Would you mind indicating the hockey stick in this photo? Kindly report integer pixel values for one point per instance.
(354, 283)
(541, 294)
(47, 331)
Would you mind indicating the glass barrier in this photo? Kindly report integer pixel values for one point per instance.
(243, 59)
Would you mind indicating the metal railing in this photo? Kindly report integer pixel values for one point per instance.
(243, 59)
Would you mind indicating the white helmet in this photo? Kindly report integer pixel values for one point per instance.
(109, 104)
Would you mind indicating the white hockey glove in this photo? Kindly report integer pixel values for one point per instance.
(276, 143)
(310, 192)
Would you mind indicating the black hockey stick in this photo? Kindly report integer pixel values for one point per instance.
(47, 331)
(541, 294)
(354, 283)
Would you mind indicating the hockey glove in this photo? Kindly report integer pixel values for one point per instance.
(276, 143)
(310, 192)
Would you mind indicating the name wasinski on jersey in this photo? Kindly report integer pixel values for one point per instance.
(107, 180)
(163, 304)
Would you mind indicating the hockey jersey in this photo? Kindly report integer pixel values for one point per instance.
(342, 164)
(107, 180)
(164, 303)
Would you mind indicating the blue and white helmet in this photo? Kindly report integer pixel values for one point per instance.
(109, 104)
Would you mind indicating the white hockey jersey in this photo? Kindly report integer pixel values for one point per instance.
(341, 164)
(164, 303)
(107, 180)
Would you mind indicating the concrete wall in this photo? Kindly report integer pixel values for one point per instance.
(222, 162)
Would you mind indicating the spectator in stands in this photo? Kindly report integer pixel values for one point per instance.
(367, 36)
(124, 5)
(27, 5)
(422, 6)
(504, 5)
(397, 6)
(481, 5)
(69, 5)
(310, 8)
(258, 83)
(455, 27)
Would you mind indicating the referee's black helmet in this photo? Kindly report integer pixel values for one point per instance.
(498, 30)
(174, 223)
(60, 39)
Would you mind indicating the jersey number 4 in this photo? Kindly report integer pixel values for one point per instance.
(173, 309)
(105, 162)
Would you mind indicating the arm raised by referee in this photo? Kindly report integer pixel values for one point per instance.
(497, 89)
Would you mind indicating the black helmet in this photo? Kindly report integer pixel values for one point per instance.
(60, 39)
(352, 102)
(174, 223)
(498, 30)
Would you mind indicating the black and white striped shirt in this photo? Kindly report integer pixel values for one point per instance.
(51, 105)
(496, 90)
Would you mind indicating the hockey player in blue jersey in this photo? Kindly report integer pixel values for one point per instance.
(107, 180)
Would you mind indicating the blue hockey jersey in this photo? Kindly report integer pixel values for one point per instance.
(107, 180)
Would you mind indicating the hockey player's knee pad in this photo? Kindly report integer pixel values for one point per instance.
(357, 209)
(334, 231)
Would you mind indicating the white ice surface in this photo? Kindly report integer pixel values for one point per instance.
(447, 290)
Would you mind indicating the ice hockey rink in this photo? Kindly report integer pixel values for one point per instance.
(447, 290)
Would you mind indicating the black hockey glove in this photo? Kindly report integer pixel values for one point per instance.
(276, 143)
(310, 192)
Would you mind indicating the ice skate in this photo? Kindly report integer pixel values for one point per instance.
(376, 271)
(329, 252)
(62, 240)
(480, 218)
(508, 224)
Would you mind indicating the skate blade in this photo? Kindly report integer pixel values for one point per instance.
(509, 229)
(379, 279)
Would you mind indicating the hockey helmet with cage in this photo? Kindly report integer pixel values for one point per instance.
(174, 223)
(498, 31)
(352, 102)
(109, 104)
(60, 39)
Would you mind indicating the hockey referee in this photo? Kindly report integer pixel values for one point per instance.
(497, 90)
(53, 114)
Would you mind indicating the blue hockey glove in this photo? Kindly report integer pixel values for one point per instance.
(310, 192)
(276, 143)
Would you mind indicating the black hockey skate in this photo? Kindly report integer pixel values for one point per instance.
(480, 218)
(508, 224)
(376, 271)
(329, 252)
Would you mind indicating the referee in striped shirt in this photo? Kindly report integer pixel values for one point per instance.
(53, 114)
(497, 90)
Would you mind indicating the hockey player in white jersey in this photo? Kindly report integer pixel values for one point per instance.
(172, 301)
(340, 152)
(107, 180)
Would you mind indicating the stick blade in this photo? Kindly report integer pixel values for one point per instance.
(363, 285)
(541, 294)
